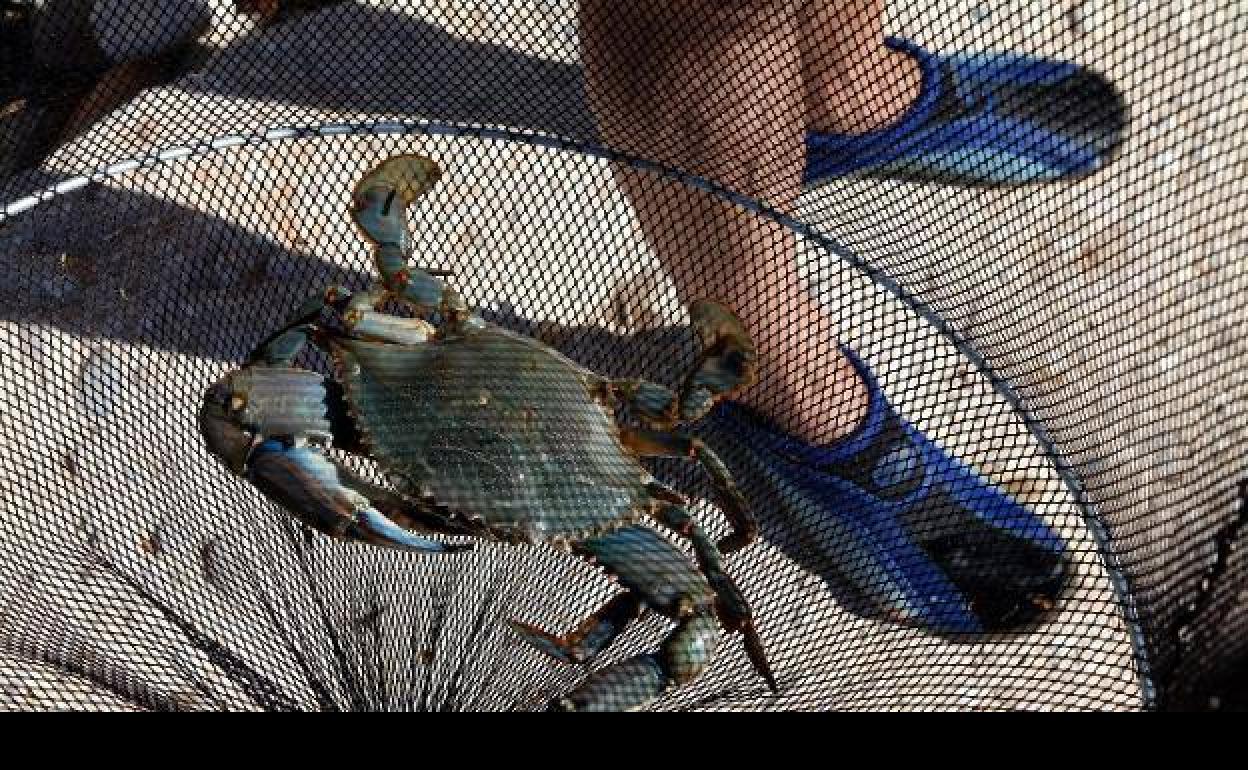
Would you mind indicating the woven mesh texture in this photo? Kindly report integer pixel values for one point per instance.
(176, 177)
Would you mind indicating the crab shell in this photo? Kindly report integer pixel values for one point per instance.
(496, 427)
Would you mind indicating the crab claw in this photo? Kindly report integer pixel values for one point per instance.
(319, 493)
(240, 412)
(409, 176)
(379, 208)
(728, 361)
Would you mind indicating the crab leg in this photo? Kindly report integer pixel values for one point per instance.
(591, 637)
(661, 575)
(654, 443)
(379, 207)
(734, 610)
(282, 346)
(364, 320)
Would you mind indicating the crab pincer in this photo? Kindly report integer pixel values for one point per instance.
(268, 425)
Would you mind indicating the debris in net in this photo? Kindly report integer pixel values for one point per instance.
(1083, 17)
(210, 563)
(70, 462)
(90, 535)
(369, 619)
(152, 542)
(80, 267)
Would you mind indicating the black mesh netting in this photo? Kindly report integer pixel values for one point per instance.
(178, 176)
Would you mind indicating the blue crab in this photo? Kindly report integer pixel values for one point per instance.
(483, 432)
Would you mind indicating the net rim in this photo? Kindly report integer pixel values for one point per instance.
(1088, 510)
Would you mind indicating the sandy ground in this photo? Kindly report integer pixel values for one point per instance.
(1099, 299)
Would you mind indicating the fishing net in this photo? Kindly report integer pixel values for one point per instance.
(176, 177)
